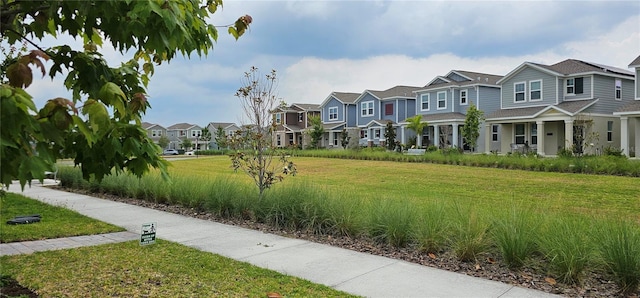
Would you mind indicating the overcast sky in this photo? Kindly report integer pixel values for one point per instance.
(318, 47)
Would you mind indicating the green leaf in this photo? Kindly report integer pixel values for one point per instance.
(233, 32)
(111, 94)
(84, 130)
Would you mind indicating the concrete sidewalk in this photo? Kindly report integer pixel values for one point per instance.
(353, 272)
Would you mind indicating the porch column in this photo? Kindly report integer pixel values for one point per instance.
(419, 138)
(402, 139)
(454, 136)
(541, 136)
(568, 134)
(330, 139)
(635, 122)
(487, 138)
(624, 135)
(436, 136)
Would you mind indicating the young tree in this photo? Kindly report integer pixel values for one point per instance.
(221, 138)
(417, 125)
(390, 136)
(163, 142)
(471, 128)
(257, 97)
(100, 126)
(186, 144)
(205, 137)
(344, 138)
(317, 130)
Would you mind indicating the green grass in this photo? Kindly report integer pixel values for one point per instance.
(164, 269)
(619, 247)
(56, 221)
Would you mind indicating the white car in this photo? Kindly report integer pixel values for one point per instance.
(189, 153)
(170, 152)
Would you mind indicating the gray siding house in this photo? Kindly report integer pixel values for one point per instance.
(377, 108)
(630, 117)
(443, 105)
(569, 104)
(177, 133)
(228, 129)
(154, 131)
(338, 112)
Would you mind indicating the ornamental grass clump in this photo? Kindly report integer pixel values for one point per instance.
(345, 215)
(515, 235)
(431, 230)
(470, 237)
(391, 221)
(619, 248)
(568, 248)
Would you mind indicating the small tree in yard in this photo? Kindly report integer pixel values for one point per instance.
(471, 128)
(416, 124)
(221, 138)
(344, 138)
(186, 144)
(317, 130)
(390, 136)
(205, 137)
(163, 142)
(258, 96)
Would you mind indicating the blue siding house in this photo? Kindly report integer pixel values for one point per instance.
(376, 108)
(338, 112)
(569, 104)
(443, 105)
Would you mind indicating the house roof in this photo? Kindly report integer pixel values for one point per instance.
(307, 106)
(479, 77)
(331, 126)
(630, 108)
(473, 79)
(147, 125)
(635, 62)
(568, 107)
(378, 122)
(343, 97)
(222, 124)
(440, 117)
(397, 91)
(181, 126)
(573, 66)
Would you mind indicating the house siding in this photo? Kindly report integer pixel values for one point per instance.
(333, 103)
(352, 111)
(433, 102)
(396, 110)
(361, 121)
(637, 83)
(604, 90)
(549, 89)
(587, 81)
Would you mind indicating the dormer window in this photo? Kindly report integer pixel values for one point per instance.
(618, 89)
(519, 93)
(463, 97)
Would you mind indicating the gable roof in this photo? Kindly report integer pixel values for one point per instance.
(147, 125)
(473, 78)
(395, 92)
(570, 108)
(343, 97)
(307, 106)
(571, 67)
(181, 126)
(224, 125)
(442, 117)
(635, 62)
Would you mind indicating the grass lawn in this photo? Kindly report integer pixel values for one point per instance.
(610, 196)
(56, 221)
(164, 269)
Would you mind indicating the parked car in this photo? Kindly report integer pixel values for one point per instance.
(189, 153)
(170, 152)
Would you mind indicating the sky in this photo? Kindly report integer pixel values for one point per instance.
(318, 47)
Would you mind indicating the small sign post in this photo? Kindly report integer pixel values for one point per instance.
(148, 235)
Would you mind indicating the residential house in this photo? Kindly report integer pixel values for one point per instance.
(443, 104)
(291, 124)
(377, 108)
(227, 130)
(177, 133)
(154, 131)
(338, 112)
(630, 117)
(570, 104)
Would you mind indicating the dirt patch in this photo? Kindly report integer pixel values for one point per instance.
(11, 288)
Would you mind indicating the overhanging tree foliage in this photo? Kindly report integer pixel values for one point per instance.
(471, 128)
(100, 125)
(263, 162)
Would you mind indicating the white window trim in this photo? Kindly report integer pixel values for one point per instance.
(438, 100)
(610, 131)
(300, 117)
(531, 90)
(364, 112)
(566, 85)
(466, 97)
(524, 92)
(336, 113)
(496, 133)
(428, 96)
(615, 89)
(195, 133)
(278, 118)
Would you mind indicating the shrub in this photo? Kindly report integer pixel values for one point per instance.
(390, 222)
(612, 151)
(515, 235)
(470, 235)
(619, 248)
(431, 231)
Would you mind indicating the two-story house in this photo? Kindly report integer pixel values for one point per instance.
(291, 124)
(630, 117)
(443, 104)
(376, 108)
(226, 129)
(154, 131)
(338, 112)
(569, 105)
(180, 132)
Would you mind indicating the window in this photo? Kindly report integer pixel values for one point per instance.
(618, 89)
(609, 131)
(183, 133)
(574, 86)
(278, 118)
(442, 100)
(388, 109)
(333, 113)
(424, 102)
(377, 133)
(463, 97)
(300, 117)
(278, 140)
(518, 89)
(366, 108)
(520, 137)
(535, 90)
(336, 138)
(494, 133)
(534, 134)
(156, 133)
(196, 133)
(364, 133)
